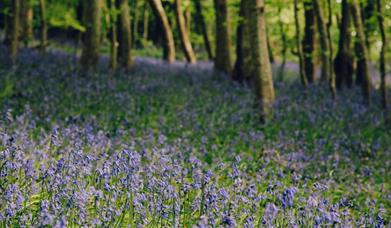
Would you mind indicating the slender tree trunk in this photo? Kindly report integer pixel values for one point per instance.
(91, 41)
(185, 40)
(383, 87)
(145, 22)
(284, 47)
(362, 52)
(260, 58)
(331, 71)
(135, 23)
(113, 36)
(242, 70)
(270, 49)
(14, 30)
(309, 41)
(44, 27)
(201, 20)
(169, 50)
(298, 45)
(324, 44)
(343, 63)
(187, 15)
(26, 21)
(125, 39)
(223, 60)
(368, 11)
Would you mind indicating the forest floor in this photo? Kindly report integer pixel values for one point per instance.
(177, 144)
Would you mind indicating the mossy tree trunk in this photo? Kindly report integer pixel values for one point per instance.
(309, 41)
(303, 78)
(284, 47)
(44, 27)
(343, 63)
(14, 30)
(361, 51)
(169, 45)
(324, 44)
(184, 35)
(331, 52)
(113, 36)
(242, 68)
(223, 61)
(125, 37)
(145, 21)
(260, 58)
(91, 40)
(26, 21)
(135, 23)
(383, 87)
(205, 35)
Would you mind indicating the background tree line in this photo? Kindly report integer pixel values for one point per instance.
(242, 37)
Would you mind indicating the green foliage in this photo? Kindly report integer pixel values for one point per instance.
(62, 16)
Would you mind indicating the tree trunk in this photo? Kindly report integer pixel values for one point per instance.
(269, 49)
(309, 41)
(223, 60)
(135, 23)
(298, 45)
(201, 20)
(91, 41)
(14, 30)
(331, 71)
(113, 36)
(368, 12)
(187, 15)
(125, 39)
(324, 44)
(44, 27)
(260, 58)
(26, 22)
(383, 87)
(185, 40)
(145, 22)
(361, 52)
(242, 69)
(284, 47)
(169, 49)
(343, 63)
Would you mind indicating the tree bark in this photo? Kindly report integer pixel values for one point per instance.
(169, 45)
(269, 49)
(361, 52)
(135, 23)
(44, 27)
(343, 63)
(309, 41)
(125, 39)
(91, 41)
(187, 15)
(185, 40)
(201, 20)
(14, 30)
(260, 58)
(383, 87)
(324, 44)
(223, 60)
(331, 71)
(303, 78)
(242, 68)
(145, 22)
(26, 21)
(113, 36)
(284, 47)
